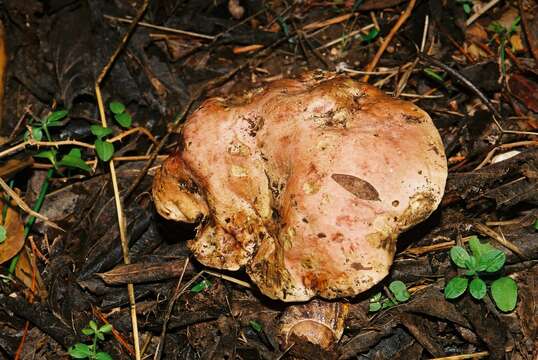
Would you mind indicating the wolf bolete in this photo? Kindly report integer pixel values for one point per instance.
(305, 183)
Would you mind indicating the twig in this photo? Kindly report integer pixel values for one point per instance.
(140, 129)
(117, 199)
(489, 156)
(477, 91)
(20, 203)
(405, 15)
(476, 355)
(162, 28)
(485, 230)
(483, 10)
(169, 308)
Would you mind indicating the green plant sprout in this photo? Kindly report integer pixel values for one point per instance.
(504, 34)
(51, 120)
(536, 225)
(380, 302)
(485, 259)
(103, 147)
(121, 116)
(466, 5)
(85, 351)
(256, 326)
(201, 286)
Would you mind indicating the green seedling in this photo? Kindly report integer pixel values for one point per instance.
(483, 260)
(380, 302)
(201, 286)
(73, 159)
(3, 234)
(504, 34)
(256, 326)
(85, 351)
(103, 147)
(121, 115)
(536, 225)
(434, 75)
(43, 125)
(466, 5)
(372, 34)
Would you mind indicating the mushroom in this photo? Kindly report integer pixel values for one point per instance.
(305, 183)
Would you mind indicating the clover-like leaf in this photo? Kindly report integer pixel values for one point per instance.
(399, 290)
(116, 107)
(87, 331)
(456, 287)
(459, 256)
(374, 306)
(504, 293)
(79, 351)
(106, 328)
(55, 117)
(73, 159)
(493, 260)
(124, 119)
(102, 356)
(478, 288)
(100, 131)
(104, 149)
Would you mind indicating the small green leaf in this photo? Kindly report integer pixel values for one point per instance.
(256, 326)
(467, 8)
(434, 75)
(73, 159)
(471, 263)
(478, 248)
(105, 328)
(201, 286)
(460, 256)
(55, 116)
(116, 107)
(79, 351)
(536, 225)
(100, 131)
(100, 335)
(387, 303)
(93, 325)
(374, 306)
(493, 260)
(372, 34)
(37, 133)
(102, 356)
(477, 288)
(504, 293)
(399, 290)
(376, 297)
(47, 154)
(124, 119)
(104, 149)
(87, 331)
(3, 234)
(456, 287)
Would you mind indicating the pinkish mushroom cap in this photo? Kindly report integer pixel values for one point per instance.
(306, 183)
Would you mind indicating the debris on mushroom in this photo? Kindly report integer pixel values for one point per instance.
(305, 183)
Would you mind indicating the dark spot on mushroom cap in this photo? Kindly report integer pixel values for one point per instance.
(358, 266)
(395, 203)
(321, 235)
(357, 186)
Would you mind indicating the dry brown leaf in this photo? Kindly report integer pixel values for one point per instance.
(28, 273)
(14, 233)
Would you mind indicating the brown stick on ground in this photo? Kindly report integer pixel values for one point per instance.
(405, 15)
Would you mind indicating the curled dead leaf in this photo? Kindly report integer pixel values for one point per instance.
(15, 233)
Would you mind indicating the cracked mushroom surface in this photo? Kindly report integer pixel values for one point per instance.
(306, 183)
